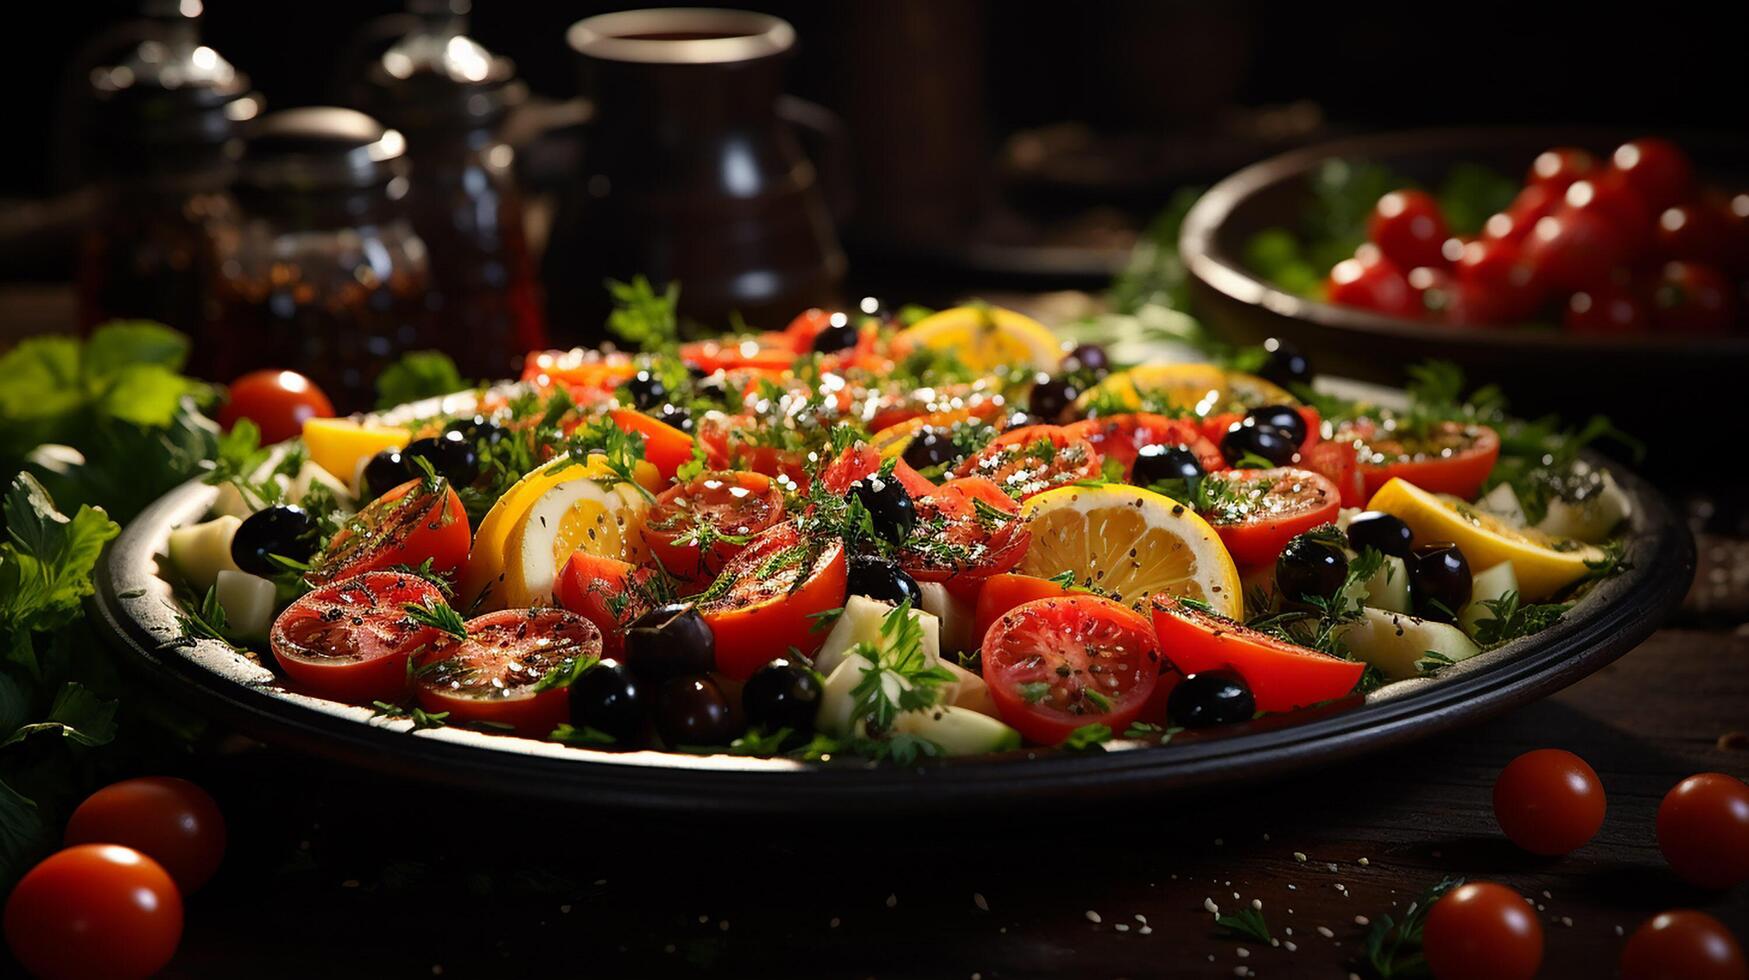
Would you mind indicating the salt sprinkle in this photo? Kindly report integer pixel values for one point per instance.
(1235, 896)
(978, 900)
(1330, 864)
(1293, 888)
(1325, 932)
(1289, 930)
(1547, 895)
(1141, 918)
(1092, 916)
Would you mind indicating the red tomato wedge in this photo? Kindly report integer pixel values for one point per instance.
(717, 435)
(1054, 665)
(1032, 459)
(414, 522)
(1121, 437)
(579, 369)
(802, 330)
(1282, 676)
(1452, 457)
(497, 676)
(606, 591)
(957, 539)
(767, 598)
(665, 447)
(1257, 512)
(1339, 463)
(863, 460)
(350, 641)
(1000, 593)
(695, 527)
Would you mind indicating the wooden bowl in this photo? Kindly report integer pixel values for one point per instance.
(1641, 381)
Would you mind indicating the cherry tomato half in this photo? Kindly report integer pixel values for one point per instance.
(606, 591)
(863, 460)
(1451, 457)
(772, 591)
(500, 675)
(278, 402)
(170, 820)
(1703, 830)
(1339, 463)
(1032, 459)
(962, 535)
(1257, 512)
(1482, 931)
(351, 640)
(695, 527)
(1282, 676)
(1548, 801)
(94, 912)
(1683, 945)
(1003, 592)
(1121, 437)
(1053, 665)
(415, 522)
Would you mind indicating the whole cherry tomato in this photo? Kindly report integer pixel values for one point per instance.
(1656, 169)
(94, 911)
(1502, 287)
(1409, 229)
(1682, 945)
(1574, 248)
(1533, 203)
(1693, 233)
(1608, 308)
(1557, 168)
(1693, 298)
(1619, 204)
(170, 820)
(278, 402)
(1482, 931)
(1371, 282)
(1703, 830)
(1548, 801)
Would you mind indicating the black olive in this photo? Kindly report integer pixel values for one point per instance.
(1089, 358)
(1161, 464)
(674, 415)
(477, 430)
(1051, 398)
(669, 641)
(1383, 532)
(1285, 364)
(782, 695)
(1213, 697)
(1266, 441)
(693, 711)
(1019, 420)
(289, 532)
(1310, 569)
(1439, 581)
(1281, 417)
(451, 455)
(888, 504)
(879, 578)
(838, 334)
(930, 447)
(385, 471)
(647, 391)
(609, 697)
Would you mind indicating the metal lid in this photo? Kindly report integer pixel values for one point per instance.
(438, 77)
(321, 148)
(170, 89)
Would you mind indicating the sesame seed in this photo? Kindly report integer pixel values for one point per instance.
(978, 900)
(1209, 903)
(1092, 916)
(1300, 856)
(1325, 932)
(1361, 920)
(1122, 927)
(1257, 903)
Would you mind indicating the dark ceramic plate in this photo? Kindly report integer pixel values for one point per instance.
(133, 608)
(1636, 380)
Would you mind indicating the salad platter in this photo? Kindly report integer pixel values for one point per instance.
(942, 564)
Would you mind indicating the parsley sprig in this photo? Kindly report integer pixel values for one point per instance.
(899, 676)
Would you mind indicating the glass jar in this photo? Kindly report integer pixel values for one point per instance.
(325, 274)
(448, 96)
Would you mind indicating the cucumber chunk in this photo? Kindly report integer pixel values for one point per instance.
(860, 622)
(954, 614)
(199, 552)
(1502, 502)
(1397, 644)
(248, 601)
(1590, 520)
(959, 731)
(1489, 585)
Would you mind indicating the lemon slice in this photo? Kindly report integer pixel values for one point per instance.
(589, 511)
(1130, 543)
(986, 337)
(339, 445)
(1202, 389)
(1543, 563)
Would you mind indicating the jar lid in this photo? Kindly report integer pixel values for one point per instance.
(438, 77)
(170, 89)
(321, 148)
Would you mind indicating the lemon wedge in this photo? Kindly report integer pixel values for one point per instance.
(591, 511)
(339, 445)
(1203, 389)
(985, 338)
(1543, 563)
(1131, 543)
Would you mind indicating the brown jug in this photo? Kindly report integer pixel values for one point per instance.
(691, 171)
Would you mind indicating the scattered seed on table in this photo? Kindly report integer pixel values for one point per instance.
(1361, 920)
(978, 900)
(1209, 903)
(1092, 916)
(1300, 856)
(1325, 932)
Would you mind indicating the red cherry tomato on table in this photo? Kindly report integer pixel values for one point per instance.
(1053, 665)
(1482, 931)
(1557, 168)
(1282, 676)
(722, 510)
(414, 522)
(1609, 308)
(1258, 512)
(1693, 298)
(778, 585)
(278, 402)
(1683, 945)
(1371, 282)
(1703, 830)
(1548, 801)
(170, 820)
(497, 675)
(350, 641)
(1656, 169)
(94, 911)
(1409, 229)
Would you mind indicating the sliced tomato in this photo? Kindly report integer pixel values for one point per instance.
(1452, 457)
(898, 405)
(957, 540)
(863, 460)
(767, 352)
(725, 450)
(416, 522)
(1257, 512)
(1216, 426)
(1053, 665)
(606, 591)
(350, 641)
(1121, 437)
(579, 369)
(695, 527)
(1282, 676)
(1000, 593)
(497, 677)
(1032, 459)
(664, 446)
(767, 598)
(1339, 463)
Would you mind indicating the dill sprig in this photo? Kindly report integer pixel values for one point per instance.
(438, 615)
